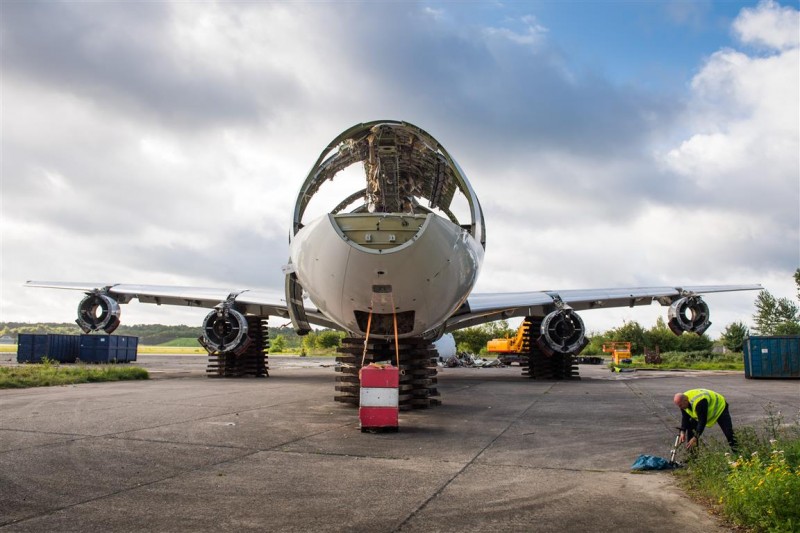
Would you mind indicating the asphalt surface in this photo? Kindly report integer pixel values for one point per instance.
(183, 452)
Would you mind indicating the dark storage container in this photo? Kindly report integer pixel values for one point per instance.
(63, 348)
(772, 357)
(108, 348)
(31, 347)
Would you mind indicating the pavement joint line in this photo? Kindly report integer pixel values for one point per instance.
(251, 452)
(363, 456)
(234, 412)
(461, 470)
(128, 489)
(768, 401)
(74, 438)
(274, 448)
(116, 434)
(667, 418)
(298, 439)
(199, 444)
(553, 468)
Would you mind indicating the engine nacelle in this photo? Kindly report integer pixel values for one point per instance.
(562, 332)
(689, 314)
(98, 311)
(225, 330)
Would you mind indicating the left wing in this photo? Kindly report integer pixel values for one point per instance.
(256, 302)
(487, 307)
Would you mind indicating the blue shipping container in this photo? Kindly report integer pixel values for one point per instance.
(63, 348)
(772, 357)
(108, 348)
(31, 347)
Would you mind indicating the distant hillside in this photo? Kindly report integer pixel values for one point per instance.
(149, 334)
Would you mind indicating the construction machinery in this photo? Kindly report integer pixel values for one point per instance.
(510, 349)
(519, 349)
(620, 351)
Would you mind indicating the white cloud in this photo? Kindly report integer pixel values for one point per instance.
(769, 25)
(532, 32)
(744, 113)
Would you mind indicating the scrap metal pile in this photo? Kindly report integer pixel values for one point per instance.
(464, 359)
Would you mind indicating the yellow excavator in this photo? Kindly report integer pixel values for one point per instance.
(514, 349)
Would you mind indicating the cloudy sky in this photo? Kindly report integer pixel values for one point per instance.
(611, 143)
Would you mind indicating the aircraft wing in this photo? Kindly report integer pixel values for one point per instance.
(254, 301)
(487, 307)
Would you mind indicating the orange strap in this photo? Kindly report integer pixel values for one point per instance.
(366, 339)
(396, 340)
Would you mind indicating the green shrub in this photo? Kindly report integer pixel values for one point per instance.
(278, 344)
(329, 339)
(759, 485)
(763, 492)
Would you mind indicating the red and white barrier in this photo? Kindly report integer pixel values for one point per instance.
(379, 402)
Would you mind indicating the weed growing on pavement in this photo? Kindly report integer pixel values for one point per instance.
(758, 486)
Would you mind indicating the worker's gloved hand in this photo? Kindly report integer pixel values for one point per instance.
(692, 443)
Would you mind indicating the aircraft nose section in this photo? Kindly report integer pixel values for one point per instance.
(414, 269)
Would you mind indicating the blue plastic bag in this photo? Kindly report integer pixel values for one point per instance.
(651, 462)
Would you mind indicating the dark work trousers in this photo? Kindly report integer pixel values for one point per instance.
(725, 424)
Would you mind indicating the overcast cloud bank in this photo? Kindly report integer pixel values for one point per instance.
(165, 142)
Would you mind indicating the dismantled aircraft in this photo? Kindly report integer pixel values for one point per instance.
(393, 266)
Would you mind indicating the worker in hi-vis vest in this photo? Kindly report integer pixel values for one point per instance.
(701, 408)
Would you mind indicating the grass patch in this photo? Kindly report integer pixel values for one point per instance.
(759, 486)
(48, 374)
(316, 352)
(171, 350)
(184, 342)
(690, 361)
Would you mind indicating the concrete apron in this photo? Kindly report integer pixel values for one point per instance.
(502, 453)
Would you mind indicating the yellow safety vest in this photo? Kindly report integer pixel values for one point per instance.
(716, 404)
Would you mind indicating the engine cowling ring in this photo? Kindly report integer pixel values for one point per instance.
(562, 332)
(689, 313)
(225, 330)
(98, 311)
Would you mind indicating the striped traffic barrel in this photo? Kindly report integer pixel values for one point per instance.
(379, 401)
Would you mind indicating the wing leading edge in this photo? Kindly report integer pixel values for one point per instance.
(487, 307)
(252, 301)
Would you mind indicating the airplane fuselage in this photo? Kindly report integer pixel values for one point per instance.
(415, 269)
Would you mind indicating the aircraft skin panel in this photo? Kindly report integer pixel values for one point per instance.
(431, 275)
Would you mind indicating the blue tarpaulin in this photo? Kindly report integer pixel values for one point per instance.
(651, 462)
